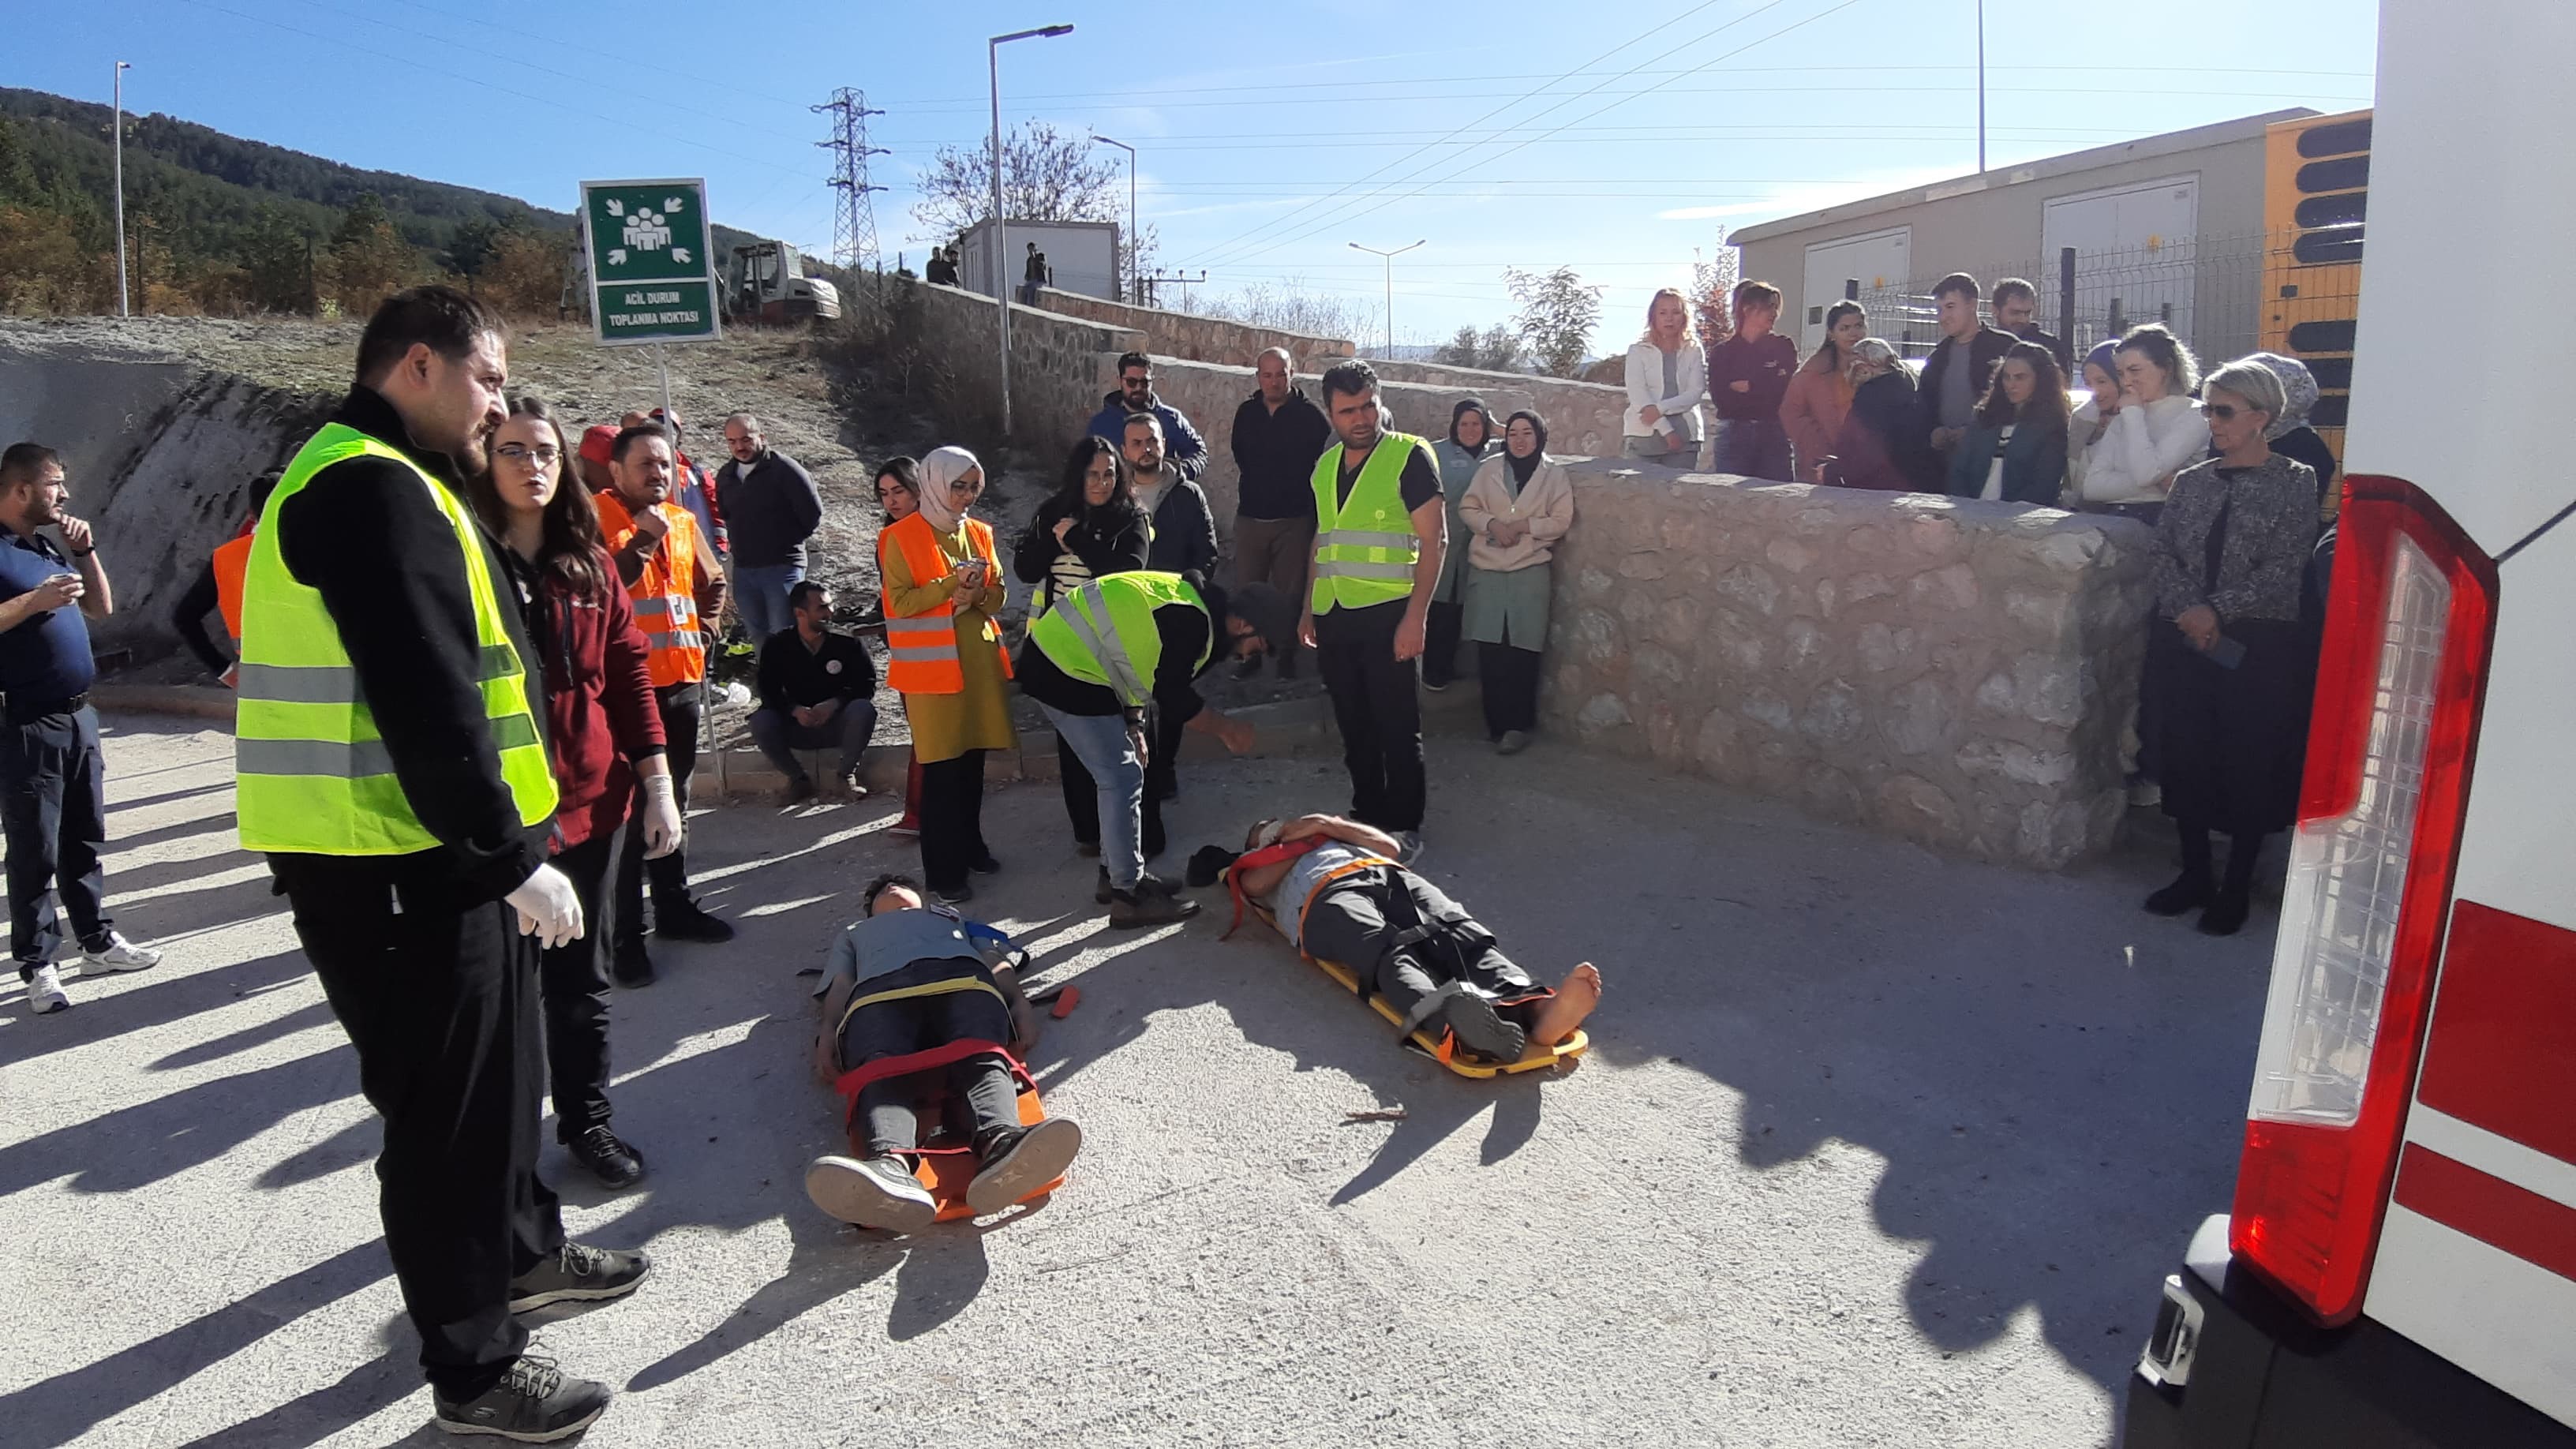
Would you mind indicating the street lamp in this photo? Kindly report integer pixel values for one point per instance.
(1390, 288)
(121, 68)
(1002, 289)
(1134, 297)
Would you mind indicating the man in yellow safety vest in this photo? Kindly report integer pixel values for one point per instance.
(391, 760)
(1380, 526)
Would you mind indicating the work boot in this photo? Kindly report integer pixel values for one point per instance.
(874, 1192)
(598, 1149)
(579, 1274)
(534, 1403)
(1146, 906)
(1020, 1160)
(1101, 891)
(630, 966)
(685, 920)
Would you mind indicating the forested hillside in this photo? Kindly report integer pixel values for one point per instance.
(222, 225)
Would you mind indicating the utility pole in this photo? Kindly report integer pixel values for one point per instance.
(1131, 210)
(854, 219)
(1981, 87)
(1153, 284)
(121, 68)
(1001, 283)
(1390, 288)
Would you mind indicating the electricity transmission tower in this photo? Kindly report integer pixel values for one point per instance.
(854, 221)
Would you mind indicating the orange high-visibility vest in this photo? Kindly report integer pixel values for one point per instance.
(665, 594)
(922, 648)
(231, 562)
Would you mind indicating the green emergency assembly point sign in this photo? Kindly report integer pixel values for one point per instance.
(652, 274)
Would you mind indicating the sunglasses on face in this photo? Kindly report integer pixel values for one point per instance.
(521, 453)
(2224, 412)
(1133, 383)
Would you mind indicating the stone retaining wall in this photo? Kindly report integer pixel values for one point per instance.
(1198, 339)
(1583, 418)
(1055, 361)
(1955, 672)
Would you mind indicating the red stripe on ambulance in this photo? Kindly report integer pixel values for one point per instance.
(2506, 1014)
(2517, 1220)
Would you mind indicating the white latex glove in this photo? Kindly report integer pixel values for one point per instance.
(548, 909)
(662, 825)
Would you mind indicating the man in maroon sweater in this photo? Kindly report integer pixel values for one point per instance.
(1748, 379)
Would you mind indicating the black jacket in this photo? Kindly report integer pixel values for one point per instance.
(1880, 445)
(385, 561)
(769, 511)
(1184, 532)
(1985, 349)
(2057, 348)
(1107, 540)
(791, 676)
(1275, 453)
(189, 618)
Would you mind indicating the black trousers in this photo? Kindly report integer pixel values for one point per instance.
(573, 982)
(439, 996)
(952, 820)
(53, 810)
(1379, 712)
(1510, 677)
(1358, 917)
(888, 1118)
(1440, 630)
(1082, 801)
(1163, 753)
(670, 874)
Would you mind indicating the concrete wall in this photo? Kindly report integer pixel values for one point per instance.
(1995, 220)
(160, 458)
(1055, 361)
(1951, 671)
(1583, 418)
(1199, 339)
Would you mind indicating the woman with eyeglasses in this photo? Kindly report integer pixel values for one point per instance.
(943, 592)
(2227, 659)
(603, 731)
(899, 494)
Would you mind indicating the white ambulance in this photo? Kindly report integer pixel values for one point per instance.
(2399, 1267)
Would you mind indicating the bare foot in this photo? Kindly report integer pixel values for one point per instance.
(1575, 998)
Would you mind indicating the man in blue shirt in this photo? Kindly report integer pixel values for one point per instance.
(53, 778)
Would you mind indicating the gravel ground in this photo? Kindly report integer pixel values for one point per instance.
(1873, 1148)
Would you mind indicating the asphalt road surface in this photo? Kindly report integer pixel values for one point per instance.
(1873, 1147)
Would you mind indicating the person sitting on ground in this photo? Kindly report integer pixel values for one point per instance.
(1106, 655)
(909, 980)
(817, 691)
(1332, 887)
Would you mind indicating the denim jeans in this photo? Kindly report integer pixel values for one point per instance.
(760, 597)
(1100, 742)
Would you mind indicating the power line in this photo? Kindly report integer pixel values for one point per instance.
(854, 219)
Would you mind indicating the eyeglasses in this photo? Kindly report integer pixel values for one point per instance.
(521, 453)
(1136, 381)
(2224, 412)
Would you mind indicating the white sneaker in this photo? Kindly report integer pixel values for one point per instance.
(120, 955)
(45, 991)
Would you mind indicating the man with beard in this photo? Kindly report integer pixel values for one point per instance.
(391, 761)
(1135, 394)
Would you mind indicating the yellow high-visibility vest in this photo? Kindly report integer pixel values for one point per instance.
(1365, 549)
(314, 776)
(1102, 631)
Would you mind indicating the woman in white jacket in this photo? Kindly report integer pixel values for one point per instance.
(1667, 379)
(2154, 431)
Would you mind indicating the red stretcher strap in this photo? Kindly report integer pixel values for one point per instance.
(866, 1074)
(1252, 860)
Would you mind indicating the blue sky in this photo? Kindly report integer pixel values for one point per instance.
(1506, 133)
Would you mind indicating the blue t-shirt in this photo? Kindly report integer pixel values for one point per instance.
(47, 657)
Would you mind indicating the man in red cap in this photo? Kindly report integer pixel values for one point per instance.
(596, 442)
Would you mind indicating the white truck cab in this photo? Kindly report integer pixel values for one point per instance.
(2399, 1263)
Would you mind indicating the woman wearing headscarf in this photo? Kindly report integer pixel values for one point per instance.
(1879, 446)
(2289, 434)
(1518, 506)
(2227, 660)
(1470, 442)
(2092, 419)
(943, 589)
(1820, 391)
(1092, 526)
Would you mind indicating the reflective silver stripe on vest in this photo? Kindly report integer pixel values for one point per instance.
(1104, 644)
(1364, 538)
(1349, 568)
(353, 761)
(922, 639)
(662, 606)
(338, 683)
(684, 639)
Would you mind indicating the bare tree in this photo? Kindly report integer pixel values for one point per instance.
(1557, 316)
(1288, 306)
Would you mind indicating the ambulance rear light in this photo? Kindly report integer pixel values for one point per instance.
(2409, 622)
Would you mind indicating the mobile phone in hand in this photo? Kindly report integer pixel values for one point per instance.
(2226, 653)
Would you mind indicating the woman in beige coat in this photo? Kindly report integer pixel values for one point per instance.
(1519, 505)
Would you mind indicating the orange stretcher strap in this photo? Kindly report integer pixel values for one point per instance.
(1289, 850)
